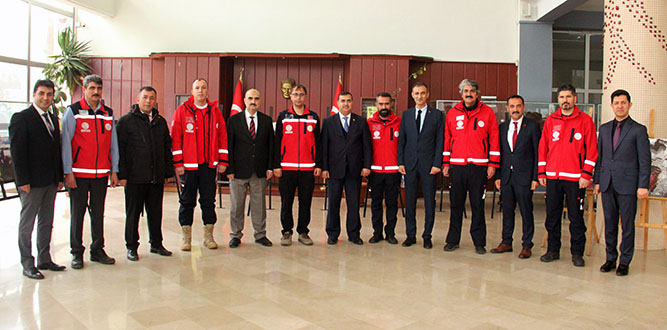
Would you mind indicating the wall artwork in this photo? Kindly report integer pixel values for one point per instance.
(658, 182)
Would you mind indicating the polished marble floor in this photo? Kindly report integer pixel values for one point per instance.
(374, 286)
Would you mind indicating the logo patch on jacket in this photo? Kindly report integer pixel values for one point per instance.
(376, 135)
(288, 129)
(189, 128)
(459, 124)
(85, 127)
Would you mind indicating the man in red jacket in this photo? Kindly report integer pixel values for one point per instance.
(384, 179)
(567, 155)
(297, 161)
(470, 158)
(199, 147)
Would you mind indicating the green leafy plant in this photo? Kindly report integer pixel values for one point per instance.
(68, 67)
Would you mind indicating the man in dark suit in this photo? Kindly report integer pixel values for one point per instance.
(622, 175)
(420, 146)
(347, 157)
(34, 138)
(250, 144)
(517, 178)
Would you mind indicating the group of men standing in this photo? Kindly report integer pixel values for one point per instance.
(467, 146)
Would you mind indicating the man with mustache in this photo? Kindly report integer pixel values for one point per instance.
(567, 155)
(470, 158)
(90, 161)
(517, 177)
(384, 179)
(200, 152)
(250, 143)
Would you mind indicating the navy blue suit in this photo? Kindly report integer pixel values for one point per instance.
(620, 173)
(344, 156)
(419, 152)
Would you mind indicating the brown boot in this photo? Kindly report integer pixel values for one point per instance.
(186, 243)
(209, 242)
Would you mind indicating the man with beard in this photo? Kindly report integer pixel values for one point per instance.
(384, 180)
(567, 155)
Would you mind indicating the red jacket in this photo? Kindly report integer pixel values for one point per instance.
(91, 141)
(471, 137)
(198, 140)
(384, 137)
(568, 147)
(297, 140)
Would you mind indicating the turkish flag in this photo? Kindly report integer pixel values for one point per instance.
(334, 108)
(237, 104)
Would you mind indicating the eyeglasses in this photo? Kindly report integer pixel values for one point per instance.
(298, 94)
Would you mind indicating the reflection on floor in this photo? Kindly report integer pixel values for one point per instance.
(332, 287)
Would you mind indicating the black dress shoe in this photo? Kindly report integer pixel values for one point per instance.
(33, 273)
(550, 256)
(622, 270)
(608, 266)
(449, 247)
(332, 241)
(409, 241)
(262, 241)
(427, 243)
(578, 261)
(52, 267)
(102, 257)
(392, 240)
(234, 242)
(375, 239)
(480, 249)
(356, 241)
(132, 255)
(77, 262)
(161, 251)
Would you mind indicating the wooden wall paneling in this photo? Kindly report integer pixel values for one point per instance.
(180, 84)
(480, 77)
(391, 77)
(146, 72)
(329, 82)
(191, 74)
(448, 84)
(260, 77)
(212, 68)
(317, 100)
(503, 87)
(380, 77)
(282, 72)
(468, 70)
(367, 79)
(225, 74)
(202, 71)
(457, 77)
(116, 90)
(158, 81)
(513, 83)
(270, 91)
(436, 90)
(303, 68)
(491, 86)
(125, 87)
(403, 91)
(293, 69)
(356, 78)
(169, 87)
(136, 82)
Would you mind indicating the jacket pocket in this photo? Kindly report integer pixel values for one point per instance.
(76, 155)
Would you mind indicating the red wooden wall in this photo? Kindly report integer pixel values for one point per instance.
(495, 79)
(369, 75)
(264, 74)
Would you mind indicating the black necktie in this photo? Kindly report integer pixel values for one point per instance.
(49, 126)
(419, 121)
(617, 134)
(252, 127)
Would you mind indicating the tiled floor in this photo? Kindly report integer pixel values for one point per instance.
(332, 287)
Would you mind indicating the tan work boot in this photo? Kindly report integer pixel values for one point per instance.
(286, 240)
(186, 243)
(209, 242)
(305, 239)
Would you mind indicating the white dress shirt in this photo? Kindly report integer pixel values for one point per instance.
(423, 115)
(41, 113)
(247, 119)
(510, 131)
(342, 120)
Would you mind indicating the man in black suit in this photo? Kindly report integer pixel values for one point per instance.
(250, 145)
(517, 178)
(420, 146)
(622, 175)
(34, 140)
(347, 157)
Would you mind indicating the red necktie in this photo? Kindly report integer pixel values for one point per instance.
(516, 132)
(252, 127)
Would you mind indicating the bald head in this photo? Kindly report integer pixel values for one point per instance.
(252, 100)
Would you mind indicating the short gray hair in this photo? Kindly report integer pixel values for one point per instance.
(92, 78)
(466, 82)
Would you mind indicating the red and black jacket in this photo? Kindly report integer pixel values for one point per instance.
(384, 138)
(297, 142)
(568, 147)
(186, 148)
(471, 137)
(91, 142)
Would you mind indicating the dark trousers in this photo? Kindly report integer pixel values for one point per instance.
(614, 205)
(204, 181)
(412, 179)
(89, 193)
(574, 199)
(384, 186)
(39, 202)
(467, 180)
(138, 196)
(352, 185)
(513, 193)
(289, 182)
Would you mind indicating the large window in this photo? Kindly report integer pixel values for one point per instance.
(577, 59)
(30, 35)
